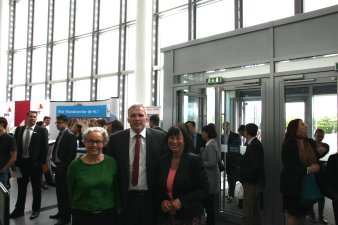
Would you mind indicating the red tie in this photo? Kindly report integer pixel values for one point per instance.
(134, 178)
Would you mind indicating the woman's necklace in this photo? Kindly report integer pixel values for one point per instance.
(92, 160)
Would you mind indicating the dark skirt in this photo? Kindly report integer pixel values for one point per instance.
(293, 206)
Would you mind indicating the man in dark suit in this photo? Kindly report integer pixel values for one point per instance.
(32, 148)
(64, 151)
(154, 122)
(232, 159)
(252, 176)
(197, 139)
(137, 151)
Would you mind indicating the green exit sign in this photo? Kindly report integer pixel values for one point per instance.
(214, 80)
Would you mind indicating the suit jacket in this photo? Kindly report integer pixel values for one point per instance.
(252, 165)
(210, 157)
(67, 147)
(331, 175)
(38, 146)
(118, 147)
(234, 139)
(159, 128)
(293, 169)
(190, 184)
(200, 143)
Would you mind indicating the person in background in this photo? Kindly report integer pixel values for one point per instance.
(92, 122)
(252, 176)
(102, 122)
(210, 157)
(299, 158)
(7, 151)
(322, 149)
(32, 148)
(241, 130)
(196, 138)
(91, 181)
(183, 181)
(232, 159)
(154, 122)
(45, 169)
(138, 151)
(331, 175)
(76, 128)
(114, 126)
(46, 121)
(64, 151)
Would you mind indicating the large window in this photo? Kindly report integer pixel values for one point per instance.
(59, 64)
(82, 57)
(261, 11)
(40, 22)
(61, 19)
(21, 25)
(19, 67)
(310, 5)
(215, 17)
(39, 65)
(108, 52)
(84, 17)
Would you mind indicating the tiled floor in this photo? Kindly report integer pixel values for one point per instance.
(48, 207)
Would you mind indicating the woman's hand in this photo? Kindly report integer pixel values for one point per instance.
(166, 206)
(321, 150)
(314, 168)
(176, 204)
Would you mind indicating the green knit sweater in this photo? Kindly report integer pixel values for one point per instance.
(92, 187)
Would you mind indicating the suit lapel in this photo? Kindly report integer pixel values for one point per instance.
(149, 142)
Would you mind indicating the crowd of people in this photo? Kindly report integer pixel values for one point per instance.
(145, 175)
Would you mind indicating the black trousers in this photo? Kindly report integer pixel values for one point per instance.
(62, 196)
(139, 210)
(33, 174)
(105, 217)
(209, 204)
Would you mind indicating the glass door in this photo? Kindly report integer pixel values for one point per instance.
(239, 106)
(311, 97)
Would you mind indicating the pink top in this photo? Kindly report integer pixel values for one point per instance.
(170, 181)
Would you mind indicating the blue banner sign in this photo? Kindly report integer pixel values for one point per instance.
(92, 111)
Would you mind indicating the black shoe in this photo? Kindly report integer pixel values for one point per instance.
(56, 216)
(34, 215)
(322, 221)
(63, 222)
(15, 214)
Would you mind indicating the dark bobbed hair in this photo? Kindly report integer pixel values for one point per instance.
(155, 119)
(177, 130)
(291, 131)
(210, 129)
(4, 122)
(251, 129)
(192, 123)
(241, 128)
(39, 123)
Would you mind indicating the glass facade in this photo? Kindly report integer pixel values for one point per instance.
(70, 45)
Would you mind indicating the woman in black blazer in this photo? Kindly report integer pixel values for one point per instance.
(299, 158)
(183, 181)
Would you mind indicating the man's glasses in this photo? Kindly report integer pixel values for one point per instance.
(92, 142)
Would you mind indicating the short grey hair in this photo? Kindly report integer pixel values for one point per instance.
(137, 106)
(100, 130)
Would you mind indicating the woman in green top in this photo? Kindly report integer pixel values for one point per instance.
(91, 181)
